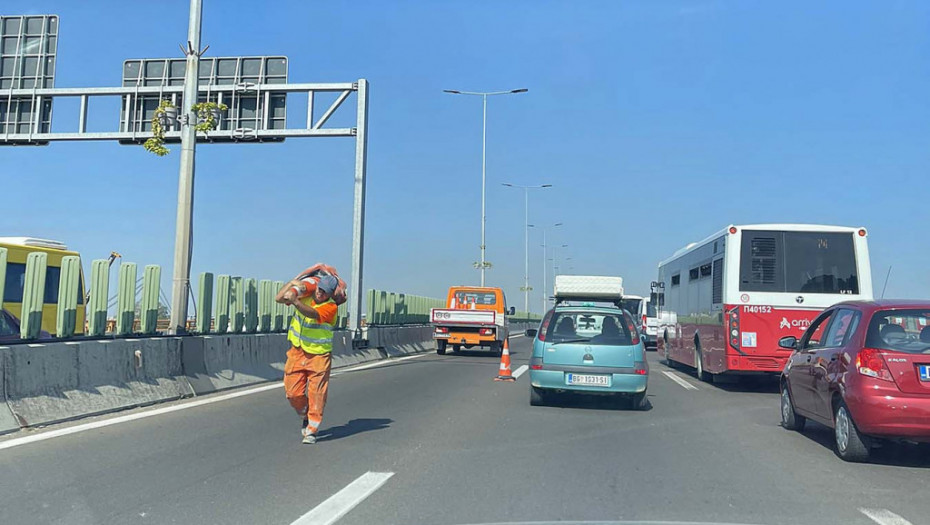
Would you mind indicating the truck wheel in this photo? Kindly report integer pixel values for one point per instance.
(497, 348)
(456, 349)
(441, 347)
(537, 397)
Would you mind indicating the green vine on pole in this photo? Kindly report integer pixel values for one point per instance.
(156, 144)
(206, 115)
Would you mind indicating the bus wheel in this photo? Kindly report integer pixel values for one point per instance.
(699, 365)
(456, 349)
(441, 347)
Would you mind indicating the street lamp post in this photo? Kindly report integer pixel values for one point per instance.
(555, 257)
(545, 299)
(526, 239)
(482, 265)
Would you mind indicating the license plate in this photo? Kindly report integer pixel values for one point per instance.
(587, 380)
(924, 372)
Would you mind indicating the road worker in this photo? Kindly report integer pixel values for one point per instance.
(309, 360)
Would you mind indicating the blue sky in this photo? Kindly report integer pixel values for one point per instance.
(658, 123)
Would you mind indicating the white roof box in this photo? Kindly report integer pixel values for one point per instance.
(33, 242)
(588, 288)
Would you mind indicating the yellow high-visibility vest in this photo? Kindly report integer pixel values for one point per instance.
(310, 335)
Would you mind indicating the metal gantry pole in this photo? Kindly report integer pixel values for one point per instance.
(183, 233)
(484, 164)
(358, 214)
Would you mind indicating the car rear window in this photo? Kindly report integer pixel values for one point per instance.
(592, 327)
(900, 330)
(485, 298)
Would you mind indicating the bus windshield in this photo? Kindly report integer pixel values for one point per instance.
(798, 262)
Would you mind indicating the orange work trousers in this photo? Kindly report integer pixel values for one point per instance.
(306, 383)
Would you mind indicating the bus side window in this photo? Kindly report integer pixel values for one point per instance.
(52, 278)
(15, 281)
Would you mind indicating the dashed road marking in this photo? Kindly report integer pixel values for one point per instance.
(884, 517)
(340, 503)
(519, 372)
(684, 384)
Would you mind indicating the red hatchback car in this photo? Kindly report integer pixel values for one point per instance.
(862, 368)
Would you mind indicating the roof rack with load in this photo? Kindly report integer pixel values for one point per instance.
(594, 288)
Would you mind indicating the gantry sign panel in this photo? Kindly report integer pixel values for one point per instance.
(250, 108)
(28, 48)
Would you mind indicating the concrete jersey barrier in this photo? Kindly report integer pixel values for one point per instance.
(48, 383)
(60, 381)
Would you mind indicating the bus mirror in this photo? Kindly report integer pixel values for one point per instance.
(790, 342)
(513, 310)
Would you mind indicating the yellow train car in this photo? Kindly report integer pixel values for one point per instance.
(18, 248)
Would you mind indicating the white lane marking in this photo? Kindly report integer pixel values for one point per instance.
(132, 417)
(512, 336)
(884, 517)
(379, 363)
(340, 503)
(519, 372)
(15, 442)
(684, 384)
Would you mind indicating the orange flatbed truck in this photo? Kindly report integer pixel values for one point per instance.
(474, 317)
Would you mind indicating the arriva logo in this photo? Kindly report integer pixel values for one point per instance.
(800, 324)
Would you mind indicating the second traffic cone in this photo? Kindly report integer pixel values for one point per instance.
(505, 374)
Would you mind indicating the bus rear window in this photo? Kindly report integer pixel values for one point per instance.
(798, 262)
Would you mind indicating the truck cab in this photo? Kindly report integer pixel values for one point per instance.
(474, 317)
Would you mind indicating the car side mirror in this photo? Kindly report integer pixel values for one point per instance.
(531, 332)
(513, 310)
(790, 342)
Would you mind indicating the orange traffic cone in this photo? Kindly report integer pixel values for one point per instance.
(505, 374)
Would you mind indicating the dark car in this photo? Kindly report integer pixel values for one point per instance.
(863, 369)
(9, 328)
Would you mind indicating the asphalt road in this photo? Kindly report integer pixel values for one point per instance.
(433, 440)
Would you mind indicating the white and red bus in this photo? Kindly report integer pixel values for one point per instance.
(724, 302)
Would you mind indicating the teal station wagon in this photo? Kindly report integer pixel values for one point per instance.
(588, 348)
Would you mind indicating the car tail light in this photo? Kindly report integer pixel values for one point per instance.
(544, 326)
(733, 327)
(644, 323)
(442, 330)
(535, 367)
(486, 331)
(639, 368)
(870, 363)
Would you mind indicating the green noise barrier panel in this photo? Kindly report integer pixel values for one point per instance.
(126, 298)
(151, 286)
(68, 290)
(237, 304)
(99, 292)
(204, 303)
(223, 299)
(265, 305)
(251, 305)
(280, 310)
(33, 295)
